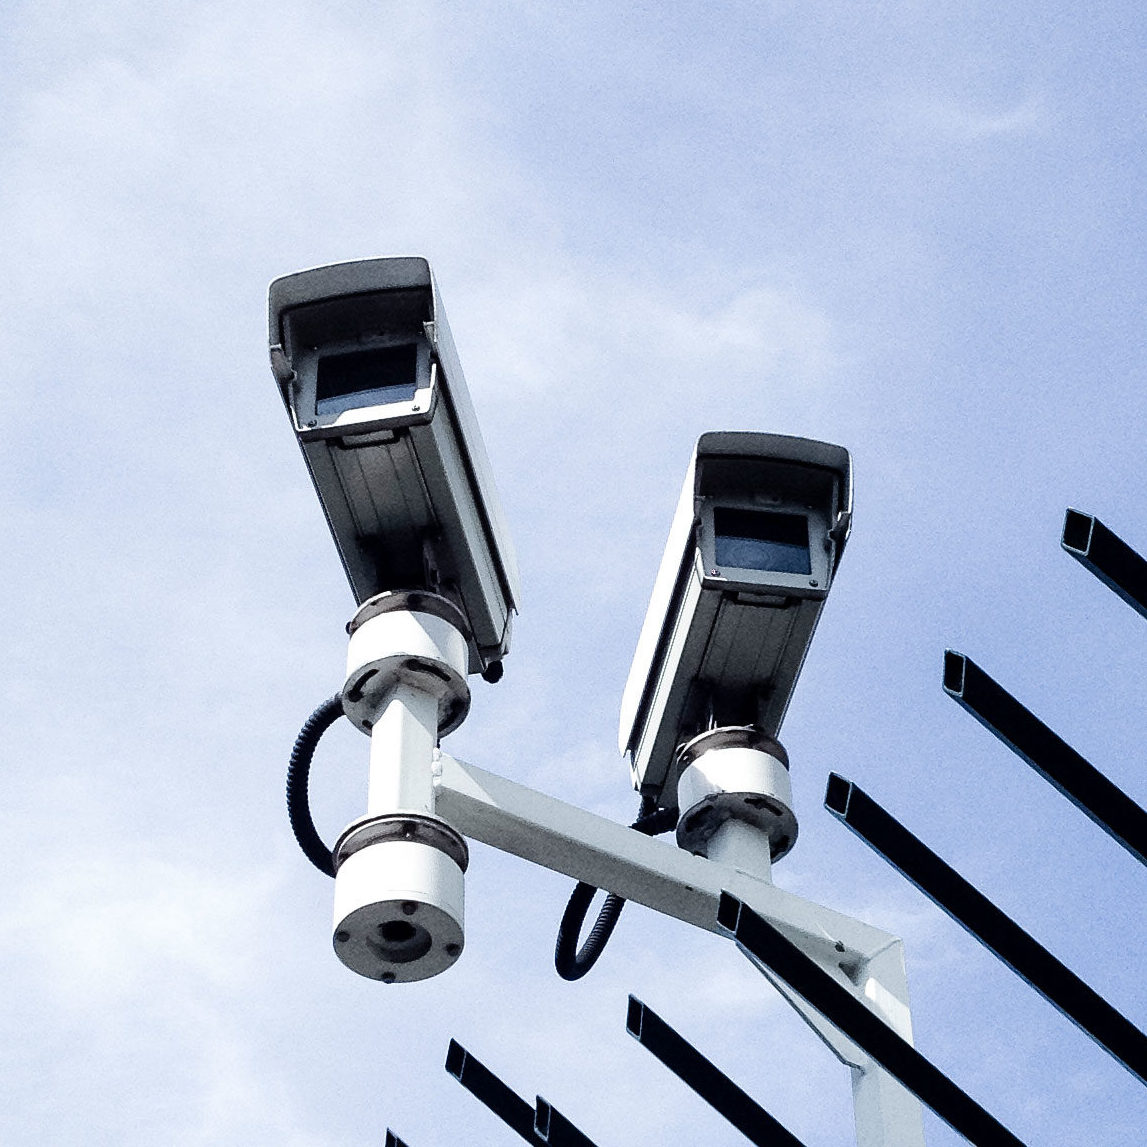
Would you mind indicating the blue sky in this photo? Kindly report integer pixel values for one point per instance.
(915, 230)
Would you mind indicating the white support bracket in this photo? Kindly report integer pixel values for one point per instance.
(555, 835)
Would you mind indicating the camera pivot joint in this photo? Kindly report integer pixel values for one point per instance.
(735, 797)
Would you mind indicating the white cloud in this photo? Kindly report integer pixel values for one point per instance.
(239, 1096)
(107, 927)
(613, 333)
(140, 964)
(961, 121)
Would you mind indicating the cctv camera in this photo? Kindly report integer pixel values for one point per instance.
(370, 377)
(753, 549)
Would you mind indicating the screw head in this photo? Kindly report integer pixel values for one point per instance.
(452, 950)
(387, 977)
(342, 936)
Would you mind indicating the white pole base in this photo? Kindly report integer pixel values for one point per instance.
(399, 898)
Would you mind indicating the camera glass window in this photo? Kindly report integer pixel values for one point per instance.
(761, 540)
(366, 378)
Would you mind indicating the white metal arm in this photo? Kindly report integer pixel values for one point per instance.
(561, 837)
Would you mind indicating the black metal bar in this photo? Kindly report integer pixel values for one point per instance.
(1051, 756)
(482, 1083)
(1108, 556)
(772, 950)
(393, 1140)
(996, 931)
(708, 1081)
(555, 1129)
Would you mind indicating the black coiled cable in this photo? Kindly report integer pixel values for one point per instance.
(573, 962)
(298, 773)
(570, 961)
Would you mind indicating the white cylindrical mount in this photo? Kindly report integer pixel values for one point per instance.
(399, 897)
(735, 773)
(413, 637)
(399, 870)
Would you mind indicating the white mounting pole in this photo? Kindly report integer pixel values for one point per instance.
(402, 743)
(399, 885)
(739, 845)
(399, 889)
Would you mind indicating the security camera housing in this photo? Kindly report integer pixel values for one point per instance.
(370, 377)
(754, 546)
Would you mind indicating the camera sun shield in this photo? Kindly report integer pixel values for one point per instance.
(368, 372)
